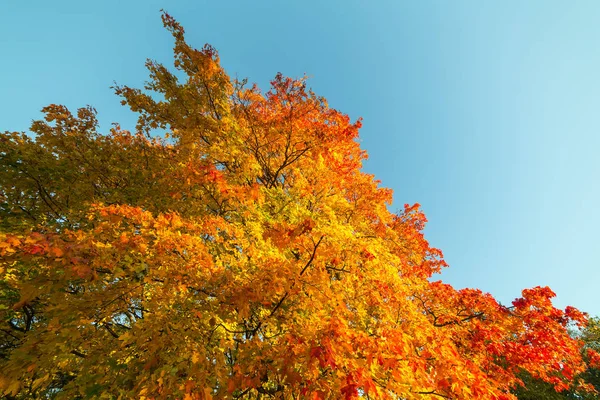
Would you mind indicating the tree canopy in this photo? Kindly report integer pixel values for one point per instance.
(535, 388)
(232, 247)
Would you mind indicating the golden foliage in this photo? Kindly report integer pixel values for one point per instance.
(242, 254)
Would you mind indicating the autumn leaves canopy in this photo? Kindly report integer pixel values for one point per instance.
(231, 247)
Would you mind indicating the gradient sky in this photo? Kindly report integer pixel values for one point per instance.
(486, 113)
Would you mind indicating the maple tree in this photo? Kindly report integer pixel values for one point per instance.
(534, 389)
(231, 247)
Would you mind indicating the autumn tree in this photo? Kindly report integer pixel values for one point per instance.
(534, 388)
(231, 247)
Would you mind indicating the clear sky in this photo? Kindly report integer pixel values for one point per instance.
(486, 113)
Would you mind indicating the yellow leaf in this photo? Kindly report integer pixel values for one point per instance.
(13, 389)
(38, 382)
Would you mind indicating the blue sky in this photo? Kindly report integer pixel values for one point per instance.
(486, 113)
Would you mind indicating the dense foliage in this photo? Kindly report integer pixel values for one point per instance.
(231, 247)
(534, 388)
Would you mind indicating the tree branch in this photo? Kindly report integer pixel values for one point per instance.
(312, 256)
